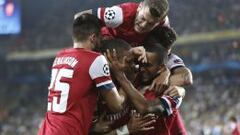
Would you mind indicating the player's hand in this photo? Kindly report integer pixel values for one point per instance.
(173, 91)
(102, 125)
(113, 60)
(161, 82)
(140, 53)
(141, 123)
(115, 65)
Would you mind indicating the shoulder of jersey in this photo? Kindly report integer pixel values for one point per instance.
(89, 52)
(130, 4)
(130, 8)
(63, 51)
(92, 52)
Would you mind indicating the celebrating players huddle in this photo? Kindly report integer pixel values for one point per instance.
(120, 77)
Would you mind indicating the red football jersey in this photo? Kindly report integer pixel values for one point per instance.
(119, 22)
(77, 75)
(178, 127)
(163, 125)
(236, 130)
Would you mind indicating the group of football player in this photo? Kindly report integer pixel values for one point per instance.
(120, 77)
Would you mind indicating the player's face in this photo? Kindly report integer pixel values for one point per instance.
(128, 62)
(149, 70)
(144, 21)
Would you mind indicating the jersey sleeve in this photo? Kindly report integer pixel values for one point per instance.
(166, 22)
(170, 103)
(174, 61)
(100, 73)
(110, 16)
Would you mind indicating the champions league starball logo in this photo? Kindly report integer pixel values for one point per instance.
(110, 15)
(106, 69)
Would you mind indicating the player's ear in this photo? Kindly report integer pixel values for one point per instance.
(93, 38)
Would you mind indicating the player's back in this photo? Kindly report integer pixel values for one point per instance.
(72, 94)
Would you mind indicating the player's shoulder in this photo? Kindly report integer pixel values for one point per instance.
(117, 15)
(174, 61)
(79, 53)
(92, 53)
(174, 56)
(79, 50)
(129, 8)
(129, 4)
(62, 52)
(95, 57)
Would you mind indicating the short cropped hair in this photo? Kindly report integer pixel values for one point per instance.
(120, 45)
(158, 8)
(84, 26)
(166, 36)
(160, 51)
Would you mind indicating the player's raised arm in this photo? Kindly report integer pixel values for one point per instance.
(180, 74)
(100, 73)
(160, 106)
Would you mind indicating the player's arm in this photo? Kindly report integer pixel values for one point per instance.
(134, 95)
(100, 74)
(113, 99)
(174, 74)
(181, 76)
(163, 106)
(161, 82)
(140, 103)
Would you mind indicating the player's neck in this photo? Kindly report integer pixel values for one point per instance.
(83, 45)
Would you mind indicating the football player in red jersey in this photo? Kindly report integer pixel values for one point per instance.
(167, 102)
(161, 105)
(78, 74)
(132, 21)
(234, 125)
(118, 119)
(179, 74)
(176, 65)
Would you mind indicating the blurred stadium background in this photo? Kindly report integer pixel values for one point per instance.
(209, 43)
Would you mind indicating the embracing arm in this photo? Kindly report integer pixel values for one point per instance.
(134, 95)
(181, 76)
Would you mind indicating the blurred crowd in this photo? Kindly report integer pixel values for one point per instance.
(210, 103)
(22, 108)
(189, 16)
(211, 56)
(210, 52)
